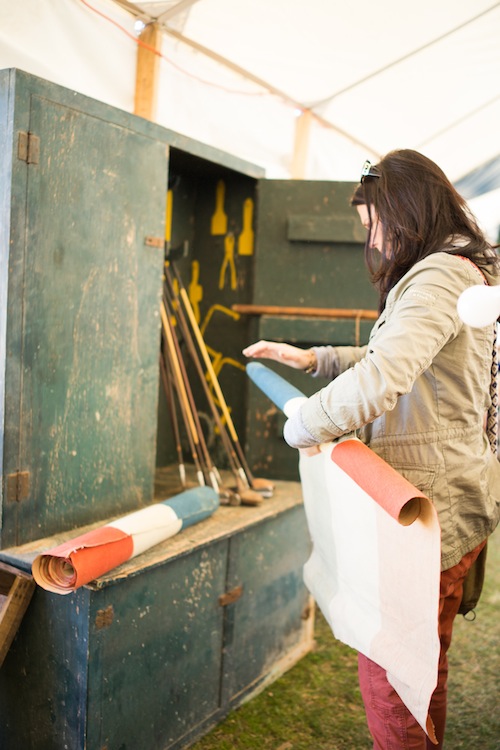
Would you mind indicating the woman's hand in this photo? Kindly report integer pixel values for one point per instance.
(299, 359)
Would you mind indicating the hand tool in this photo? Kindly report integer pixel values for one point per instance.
(173, 363)
(167, 387)
(243, 492)
(263, 486)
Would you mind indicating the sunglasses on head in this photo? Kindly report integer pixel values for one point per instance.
(368, 170)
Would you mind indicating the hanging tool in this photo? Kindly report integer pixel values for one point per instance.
(169, 395)
(206, 461)
(227, 495)
(263, 486)
(243, 493)
(183, 398)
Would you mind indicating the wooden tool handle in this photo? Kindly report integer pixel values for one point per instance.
(305, 312)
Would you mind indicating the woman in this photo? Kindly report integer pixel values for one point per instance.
(417, 394)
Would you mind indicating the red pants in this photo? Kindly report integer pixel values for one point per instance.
(390, 723)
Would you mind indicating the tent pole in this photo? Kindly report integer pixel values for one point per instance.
(147, 72)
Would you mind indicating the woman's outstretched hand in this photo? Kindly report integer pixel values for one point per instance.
(299, 359)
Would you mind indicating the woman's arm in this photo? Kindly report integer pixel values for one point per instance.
(293, 356)
(319, 361)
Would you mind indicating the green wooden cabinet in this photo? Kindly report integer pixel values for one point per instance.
(82, 229)
(159, 650)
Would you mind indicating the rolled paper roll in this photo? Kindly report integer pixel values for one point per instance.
(78, 561)
(395, 494)
(283, 394)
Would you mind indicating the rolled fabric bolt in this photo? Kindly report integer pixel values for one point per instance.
(284, 395)
(78, 561)
(479, 305)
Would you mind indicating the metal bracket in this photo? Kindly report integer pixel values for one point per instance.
(28, 147)
(158, 242)
(231, 596)
(17, 486)
(104, 617)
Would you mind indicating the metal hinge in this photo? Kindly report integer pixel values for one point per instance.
(104, 617)
(28, 147)
(18, 486)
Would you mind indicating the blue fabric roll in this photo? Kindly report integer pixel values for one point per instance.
(194, 505)
(276, 388)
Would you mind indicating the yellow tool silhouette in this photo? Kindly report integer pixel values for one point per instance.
(195, 290)
(245, 240)
(228, 261)
(219, 218)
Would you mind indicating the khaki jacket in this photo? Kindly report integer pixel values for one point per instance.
(417, 395)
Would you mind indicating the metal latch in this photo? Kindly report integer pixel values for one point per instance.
(158, 242)
(28, 147)
(231, 596)
(18, 485)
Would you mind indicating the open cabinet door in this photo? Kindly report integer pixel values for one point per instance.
(82, 331)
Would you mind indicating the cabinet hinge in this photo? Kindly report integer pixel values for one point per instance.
(104, 617)
(28, 147)
(18, 486)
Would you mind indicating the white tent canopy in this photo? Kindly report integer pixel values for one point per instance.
(258, 78)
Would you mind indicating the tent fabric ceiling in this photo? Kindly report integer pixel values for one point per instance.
(425, 75)
(236, 75)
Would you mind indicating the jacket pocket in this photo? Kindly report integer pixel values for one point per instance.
(423, 478)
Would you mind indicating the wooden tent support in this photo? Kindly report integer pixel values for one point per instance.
(305, 312)
(17, 587)
(301, 145)
(147, 72)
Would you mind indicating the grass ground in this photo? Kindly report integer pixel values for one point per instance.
(317, 704)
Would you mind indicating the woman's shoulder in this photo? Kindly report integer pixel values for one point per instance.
(444, 268)
(440, 276)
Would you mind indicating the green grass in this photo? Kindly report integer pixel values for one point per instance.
(317, 704)
(474, 682)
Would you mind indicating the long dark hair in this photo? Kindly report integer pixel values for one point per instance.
(421, 213)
